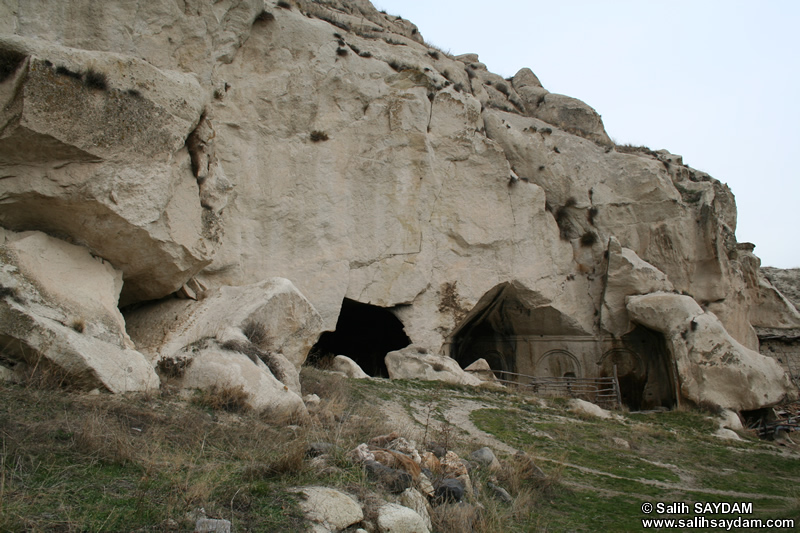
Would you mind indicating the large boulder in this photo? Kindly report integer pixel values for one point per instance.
(95, 142)
(273, 310)
(210, 367)
(627, 275)
(712, 366)
(58, 311)
(413, 363)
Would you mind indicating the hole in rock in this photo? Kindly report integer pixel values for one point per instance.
(522, 339)
(365, 333)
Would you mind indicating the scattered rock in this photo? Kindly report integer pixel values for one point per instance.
(621, 443)
(409, 363)
(394, 518)
(485, 457)
(499, 493)
(395, 481)
(330, 508)
(348, 367)
(449, 491)
(588, 409)
(413, 499)
(210, 525)
(481, 369)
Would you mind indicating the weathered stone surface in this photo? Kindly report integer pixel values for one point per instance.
(712, 366)
(627, 275)
(415, 501)
(330, 508)
(485, 457)
(345, 365)
(211, 525)
(481, 369)
(211, 367)
(588, 409)
(409, 363)
(438, 184)
(394, 518)
(291, 323)
(127, 192)
(59, 309)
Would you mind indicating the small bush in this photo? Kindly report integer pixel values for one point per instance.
(9, 63)
(433, 53)
(395, 43)
(284, 5)
(318, 136)
(341, 52)
(96, 80)
(223, 398)
(588, 238)
(458, 87)
(264, 16)
(61, 70)
(365, 53)
(354, 48)
(134, 93)
(256, 332)
(571, 202)
(79, 325)
(173, 367)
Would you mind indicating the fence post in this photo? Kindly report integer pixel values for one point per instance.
(616, 388)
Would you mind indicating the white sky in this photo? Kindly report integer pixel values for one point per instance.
(716, 81)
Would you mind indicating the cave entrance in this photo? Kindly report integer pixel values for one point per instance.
(644, 369)
(365, 333)
(499, 327)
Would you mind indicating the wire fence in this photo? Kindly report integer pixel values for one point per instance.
(604, 391)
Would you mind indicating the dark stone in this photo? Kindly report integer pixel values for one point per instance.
(396, 481)
(449, 491)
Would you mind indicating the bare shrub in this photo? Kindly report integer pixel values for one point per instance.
(318, 136)
(95, 80)
(105, 438)
(264, 16)
(256, 332)
(223, 398)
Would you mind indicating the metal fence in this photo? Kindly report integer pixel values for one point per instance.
(604, 392)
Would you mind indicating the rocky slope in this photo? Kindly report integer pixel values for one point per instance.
(191, 148)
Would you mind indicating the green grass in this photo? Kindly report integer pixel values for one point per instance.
(607, 484)
(77, 462)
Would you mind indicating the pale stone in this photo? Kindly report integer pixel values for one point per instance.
(414, 500)
(587, 408)
(481, 369)
(212, 367)
(712, 367)
(726, 434)
(61, 307)
(211, 525)
(329, 508)
(394, 518)
(731, 420)
(409, 363)
(627, 275)
(291, 322)
(348, 367)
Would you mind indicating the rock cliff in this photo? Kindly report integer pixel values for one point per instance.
(190, 148)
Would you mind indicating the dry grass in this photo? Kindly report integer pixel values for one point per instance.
(223, 397)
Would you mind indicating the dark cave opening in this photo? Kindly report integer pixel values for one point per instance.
(365, 333)
(644, 370)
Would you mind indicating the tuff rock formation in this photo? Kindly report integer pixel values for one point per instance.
(198, 150)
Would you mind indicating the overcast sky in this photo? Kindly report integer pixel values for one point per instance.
(715, 81)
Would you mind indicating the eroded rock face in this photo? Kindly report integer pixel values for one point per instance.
(289, 323)
(204, 148)
(712, 366)
(58, 314)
